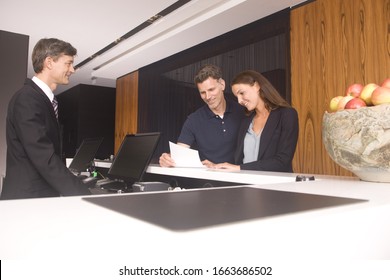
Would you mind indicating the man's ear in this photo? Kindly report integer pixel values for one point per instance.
(48, 63)
(222, 82)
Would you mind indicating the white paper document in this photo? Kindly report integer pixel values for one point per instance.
(185, 157)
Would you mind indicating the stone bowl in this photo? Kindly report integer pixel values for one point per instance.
(359, 141)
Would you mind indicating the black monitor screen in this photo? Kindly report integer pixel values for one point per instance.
(134, 156)
(85, 154)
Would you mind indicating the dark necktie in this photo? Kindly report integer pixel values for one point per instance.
(55, 106)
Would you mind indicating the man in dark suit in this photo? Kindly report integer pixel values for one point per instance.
(34, 165)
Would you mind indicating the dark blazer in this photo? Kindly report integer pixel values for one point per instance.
(34, 166)
(277, 142)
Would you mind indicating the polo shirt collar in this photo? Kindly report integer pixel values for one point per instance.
(211, 114)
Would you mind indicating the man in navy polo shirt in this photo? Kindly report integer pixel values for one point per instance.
(213, 127)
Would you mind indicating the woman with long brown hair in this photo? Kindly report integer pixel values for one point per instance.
(268, 137)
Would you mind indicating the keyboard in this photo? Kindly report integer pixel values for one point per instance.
(103, 181)
(90, 181)
(110, 184)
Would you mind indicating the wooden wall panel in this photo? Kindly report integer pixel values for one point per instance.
(126, 114)
(333, 43)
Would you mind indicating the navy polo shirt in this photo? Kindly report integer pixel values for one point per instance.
(215, 138)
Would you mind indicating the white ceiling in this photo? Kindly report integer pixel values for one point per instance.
(91, 25)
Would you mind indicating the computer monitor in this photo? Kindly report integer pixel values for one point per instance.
(85, 154)
(133, 157)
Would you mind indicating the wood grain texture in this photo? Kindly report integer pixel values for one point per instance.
(126, 110)
(334, 43)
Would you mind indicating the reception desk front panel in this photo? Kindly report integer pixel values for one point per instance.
(331, 218)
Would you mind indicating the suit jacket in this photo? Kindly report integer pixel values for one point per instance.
(277, 142)
(34, 165)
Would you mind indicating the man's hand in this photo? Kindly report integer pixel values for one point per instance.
(166, 160)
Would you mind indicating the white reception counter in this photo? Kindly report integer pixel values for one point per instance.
(73, 228)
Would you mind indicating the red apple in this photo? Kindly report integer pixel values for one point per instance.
(381, 95)
(354, 90)
(355, 103)
(367, 92)
(343, 101)
(334, 103)
(386, 83)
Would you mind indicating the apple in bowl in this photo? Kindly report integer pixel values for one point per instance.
(334, 102)
(367, 93)
(354, 89)
(386, 83)
(343, 101)
(381, 95)
(355, 103)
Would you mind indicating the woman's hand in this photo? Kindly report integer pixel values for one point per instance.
(208, 164)
(227, 166)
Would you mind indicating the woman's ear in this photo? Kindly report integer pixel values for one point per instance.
(256, 85)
